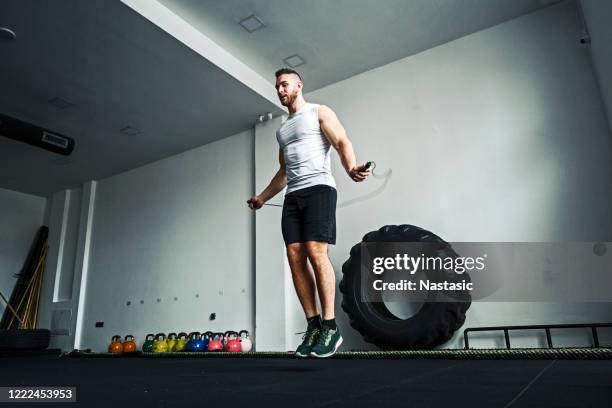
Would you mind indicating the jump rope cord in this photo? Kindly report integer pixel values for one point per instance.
(386, 176)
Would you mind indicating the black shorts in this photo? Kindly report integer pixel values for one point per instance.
(309, 214)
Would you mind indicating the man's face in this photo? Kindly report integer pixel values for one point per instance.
(288, 87)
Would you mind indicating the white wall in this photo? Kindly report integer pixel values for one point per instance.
(598, 16)
(177, 230)
(498, 136)
(272, 276)
(21, 215)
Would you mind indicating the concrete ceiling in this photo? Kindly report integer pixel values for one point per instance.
(117, 69)
(342, 38)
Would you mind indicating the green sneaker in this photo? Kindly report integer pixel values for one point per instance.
(310, 338)
(329, 342)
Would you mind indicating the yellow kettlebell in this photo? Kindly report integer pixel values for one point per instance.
(171, 341)
(160, 345)
(180, 342)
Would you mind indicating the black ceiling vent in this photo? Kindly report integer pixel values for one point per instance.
(36, 136)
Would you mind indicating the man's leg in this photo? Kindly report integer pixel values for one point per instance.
(303, 278)
(304, 283)
(324, 274)
(330, 339)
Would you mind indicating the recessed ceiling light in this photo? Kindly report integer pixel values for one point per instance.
(7, 34)
(252, 23)
(294, 61)
(60, 103)
(130, 131)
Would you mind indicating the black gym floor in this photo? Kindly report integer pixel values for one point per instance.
(180, 382)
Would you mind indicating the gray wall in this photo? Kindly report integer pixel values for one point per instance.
(498, 136)
(21, 215)
(61, 286)
(598, 16)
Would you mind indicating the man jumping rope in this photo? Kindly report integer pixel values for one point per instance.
(309, 210)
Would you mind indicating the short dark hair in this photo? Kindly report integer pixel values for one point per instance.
(283, 71)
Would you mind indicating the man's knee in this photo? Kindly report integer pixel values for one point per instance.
(296, 252)
(316, 251)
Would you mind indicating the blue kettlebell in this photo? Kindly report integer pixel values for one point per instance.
(198, 343)
(193, 336)
(205, 339)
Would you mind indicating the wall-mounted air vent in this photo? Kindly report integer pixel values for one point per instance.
(36, 136)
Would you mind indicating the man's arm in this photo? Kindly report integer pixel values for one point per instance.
(278, 182)
(335, 133)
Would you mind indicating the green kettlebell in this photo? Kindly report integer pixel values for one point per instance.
(147, 345)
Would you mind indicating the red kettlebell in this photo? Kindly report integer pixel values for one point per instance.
(116, 346)
(216, 342)
(233, 342)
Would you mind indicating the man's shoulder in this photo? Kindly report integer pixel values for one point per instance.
(324, 111)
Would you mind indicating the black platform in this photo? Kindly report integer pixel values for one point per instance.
(289, 382)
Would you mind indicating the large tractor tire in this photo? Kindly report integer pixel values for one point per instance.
(432, 325)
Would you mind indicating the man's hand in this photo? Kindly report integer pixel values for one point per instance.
(359, 173)
(255, 202)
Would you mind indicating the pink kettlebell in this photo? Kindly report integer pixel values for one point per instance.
(246, 344)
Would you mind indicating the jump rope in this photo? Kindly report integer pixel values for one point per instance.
(386, 176)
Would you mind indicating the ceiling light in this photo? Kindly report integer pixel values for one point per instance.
(60, 103)
(130, 131)
(252, 23)
(7, 34)
(294, 61)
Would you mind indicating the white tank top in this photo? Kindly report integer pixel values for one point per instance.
(306, 150)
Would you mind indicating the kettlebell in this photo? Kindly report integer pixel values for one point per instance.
(205, 340)
(232, 343)
(246, 344)
(129, 344)
(192, 343)
(160, 345)
(115, 345)
(189, 340)
(147, 346)
(216, 342)
(198, 343)
(225, 337)
(180, 342)
(171, 341)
